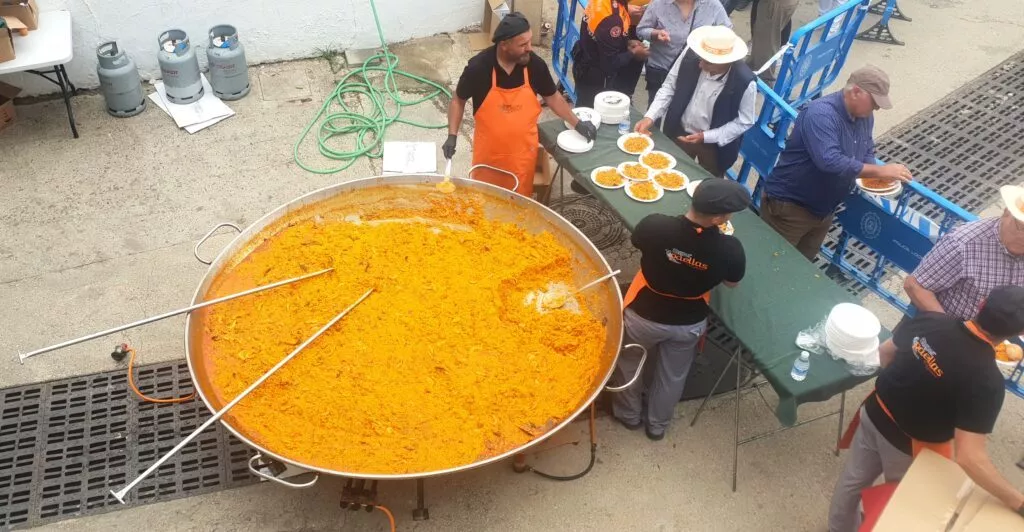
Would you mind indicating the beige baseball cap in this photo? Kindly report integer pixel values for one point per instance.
(875, 82)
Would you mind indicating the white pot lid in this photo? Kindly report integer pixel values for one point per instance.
(573, 142)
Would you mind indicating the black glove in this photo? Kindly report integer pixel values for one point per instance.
(587, 129)
(448, 148)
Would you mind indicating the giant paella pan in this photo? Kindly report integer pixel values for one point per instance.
(447, 366)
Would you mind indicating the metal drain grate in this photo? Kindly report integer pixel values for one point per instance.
(65, 444)
(968, 144)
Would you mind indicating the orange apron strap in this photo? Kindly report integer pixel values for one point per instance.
(943, 449)
(640, 282)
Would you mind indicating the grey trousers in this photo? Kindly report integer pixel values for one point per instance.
(870, 456)
(772, 16)
(670, 352)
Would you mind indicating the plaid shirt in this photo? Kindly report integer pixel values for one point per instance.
(967, 264)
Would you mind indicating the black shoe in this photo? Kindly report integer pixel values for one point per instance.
(630, 426)
(578, 188)
(652, 436)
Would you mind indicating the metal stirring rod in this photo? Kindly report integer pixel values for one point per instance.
(595, 282)
(119, 495)
(22, 357)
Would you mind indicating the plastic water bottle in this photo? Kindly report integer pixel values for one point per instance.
(800, 366)
(624, 126)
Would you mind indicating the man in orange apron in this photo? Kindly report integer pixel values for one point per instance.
(939, 387)
(666, 307)
(503, 81)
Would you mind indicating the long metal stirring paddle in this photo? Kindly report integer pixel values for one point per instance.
(22, 357)
(119, 495)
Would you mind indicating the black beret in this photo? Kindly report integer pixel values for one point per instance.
(513, 24)
(720, 196)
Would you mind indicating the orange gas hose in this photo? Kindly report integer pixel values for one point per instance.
(131, 382)
(391, 518)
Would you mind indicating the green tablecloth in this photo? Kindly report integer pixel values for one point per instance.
(781, 294)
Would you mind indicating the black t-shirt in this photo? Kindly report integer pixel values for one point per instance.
(680, 258)
(475, 81)
(944, 377)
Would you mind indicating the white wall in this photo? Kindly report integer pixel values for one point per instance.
(270, 30)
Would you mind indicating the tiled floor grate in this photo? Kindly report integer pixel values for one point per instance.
(65, 444)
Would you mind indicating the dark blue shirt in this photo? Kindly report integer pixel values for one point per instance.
(824, 155)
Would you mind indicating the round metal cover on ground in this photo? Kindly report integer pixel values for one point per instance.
(598, 223)
(573, 142)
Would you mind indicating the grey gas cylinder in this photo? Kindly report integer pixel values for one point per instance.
(179, 68)
(119, 81)
(229, 74)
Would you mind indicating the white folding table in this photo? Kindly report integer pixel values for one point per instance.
(44, 52)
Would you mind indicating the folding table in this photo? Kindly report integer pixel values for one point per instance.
(781, 294)
(44, 52)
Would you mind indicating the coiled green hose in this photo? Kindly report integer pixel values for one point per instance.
(369, 130)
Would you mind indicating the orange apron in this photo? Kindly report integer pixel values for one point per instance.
(506, 135)
(640, 282)
(942, 448)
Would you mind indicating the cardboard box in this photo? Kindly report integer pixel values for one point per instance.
(25, 10)
(926, 500)
(8, 26)
(494, 11)
(7, 94)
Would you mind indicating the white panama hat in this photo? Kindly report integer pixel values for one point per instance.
(1013, 197)
(717, 44)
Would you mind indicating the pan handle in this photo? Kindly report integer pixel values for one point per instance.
(478, 166)
(639, 370)
(256, 457)
(195, 250)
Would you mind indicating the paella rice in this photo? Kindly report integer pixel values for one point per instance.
(656, 160)
(644, 190)
(670, 179)
(637, 144)
(609, 178)
(635, 171)
(871, 183)
(441, 367)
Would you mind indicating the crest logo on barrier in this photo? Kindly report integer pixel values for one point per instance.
(870, 225)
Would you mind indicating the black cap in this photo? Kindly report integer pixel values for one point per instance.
(720, 196)
(1002, 313)
(513, 24)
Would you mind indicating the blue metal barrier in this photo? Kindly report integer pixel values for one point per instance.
(880, 32)
(567, 33)
(814, 58)
(898, 232)
(811, 62)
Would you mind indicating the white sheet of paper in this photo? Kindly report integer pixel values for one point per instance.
(207, 108)
(410, 157)
(159, 102)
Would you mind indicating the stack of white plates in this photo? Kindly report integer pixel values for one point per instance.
(585, 114)
(612, 106)
(851, 333)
